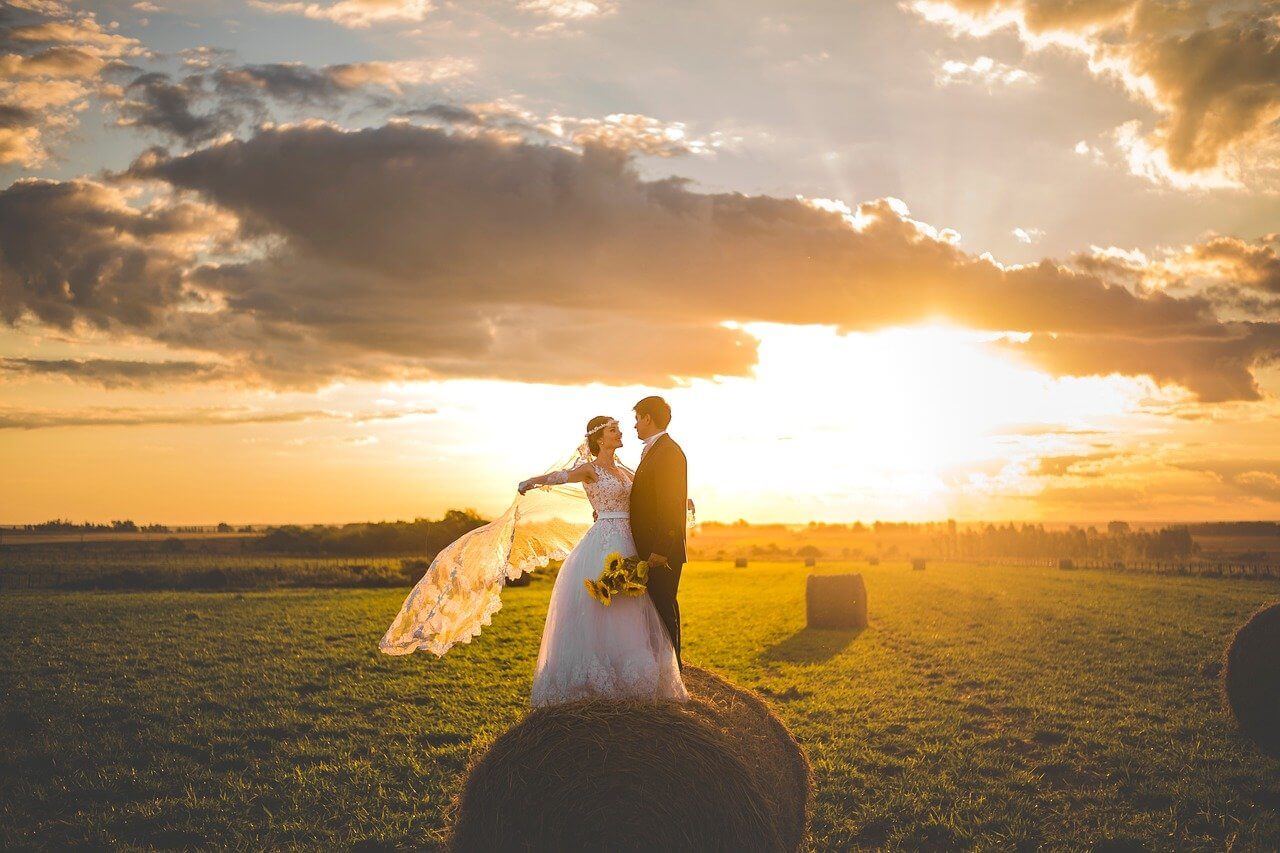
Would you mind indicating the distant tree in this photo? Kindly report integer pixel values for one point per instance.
(223, 527)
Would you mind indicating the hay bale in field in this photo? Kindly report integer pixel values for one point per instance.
(1066, 564)
(764, 743)
(740, 563)
(810, 562)
(873, 561)
(917, 564)
(835, 601)
(720, 773)
(1251, 678)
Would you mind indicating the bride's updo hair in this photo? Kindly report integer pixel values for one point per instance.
(593, 438)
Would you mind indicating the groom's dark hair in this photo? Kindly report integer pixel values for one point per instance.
(656, 408)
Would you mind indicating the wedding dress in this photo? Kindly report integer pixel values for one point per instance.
(588, 649)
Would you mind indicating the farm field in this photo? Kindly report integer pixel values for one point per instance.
(984, 706)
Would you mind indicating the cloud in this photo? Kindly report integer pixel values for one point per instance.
(410, 252)
(1235, 274)
(116, 373)
(78, 251)
(53, 61)
(1027, 235)
(639, 133)
(154, 101)
(1216, 364)
(296, 83)
(1258, 478)
(627, 132)
(1210, 69)
(220, 99)
(1077, 465)
(568, 10)
(29, 419)
(357, 14)
(983, 71)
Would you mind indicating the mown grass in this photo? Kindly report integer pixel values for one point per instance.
(985, 706)
(135, 569)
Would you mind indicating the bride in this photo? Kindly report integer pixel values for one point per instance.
(587, 649)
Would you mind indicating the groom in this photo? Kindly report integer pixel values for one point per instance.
(659, 496)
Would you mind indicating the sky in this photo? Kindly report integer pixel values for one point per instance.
(284, 261)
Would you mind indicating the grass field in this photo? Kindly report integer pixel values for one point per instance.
(991, 707)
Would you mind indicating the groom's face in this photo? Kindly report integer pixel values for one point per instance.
(644, 426)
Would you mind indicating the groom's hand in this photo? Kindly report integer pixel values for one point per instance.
(657, 560)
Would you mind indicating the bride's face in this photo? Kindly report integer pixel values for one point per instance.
(611, 437)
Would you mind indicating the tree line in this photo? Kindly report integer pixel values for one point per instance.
(369, 539)
(1117, 542)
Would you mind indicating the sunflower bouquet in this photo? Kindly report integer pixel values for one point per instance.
(621, 576)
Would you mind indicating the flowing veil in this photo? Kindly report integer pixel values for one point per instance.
(462, 589)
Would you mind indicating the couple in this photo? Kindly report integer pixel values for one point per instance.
(630, 649)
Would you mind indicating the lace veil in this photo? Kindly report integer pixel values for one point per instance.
(462, 589)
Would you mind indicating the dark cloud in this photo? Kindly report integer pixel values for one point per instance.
(202, 106)
(406, 252)
(449, 114)
(156, 102)
(116, 373)
(29, 419)
(78, 251)
(295, 83)
(1217, 366)
(12, 116)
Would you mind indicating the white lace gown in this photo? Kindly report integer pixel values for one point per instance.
(588, 649)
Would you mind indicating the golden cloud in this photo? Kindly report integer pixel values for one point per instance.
(1211, 69)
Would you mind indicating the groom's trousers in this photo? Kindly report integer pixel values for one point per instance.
(664, 583)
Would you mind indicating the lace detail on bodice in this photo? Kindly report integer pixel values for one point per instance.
(611, 492)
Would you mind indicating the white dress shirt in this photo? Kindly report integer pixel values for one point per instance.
(648, 442)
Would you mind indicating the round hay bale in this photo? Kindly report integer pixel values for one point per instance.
(764, 743)
(720, 773)
(1251, 678)
(873, 561)
(1066, 564)
(917, 564)
(740, 563)
(835, 601)
(810, 562)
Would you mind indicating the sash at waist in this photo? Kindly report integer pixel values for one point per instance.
(601, 516)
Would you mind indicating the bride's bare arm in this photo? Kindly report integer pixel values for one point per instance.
(582, 474)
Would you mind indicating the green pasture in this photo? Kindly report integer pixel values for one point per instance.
(993, 707)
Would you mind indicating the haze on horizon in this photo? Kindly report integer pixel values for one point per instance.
(275, 261)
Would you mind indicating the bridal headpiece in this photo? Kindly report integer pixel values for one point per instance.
(604, 425)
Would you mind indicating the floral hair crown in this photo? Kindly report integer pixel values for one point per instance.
(607, 423)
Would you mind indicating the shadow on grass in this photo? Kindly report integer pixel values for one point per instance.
(811, 645)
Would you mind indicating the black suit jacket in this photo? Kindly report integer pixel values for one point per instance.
(659, 501)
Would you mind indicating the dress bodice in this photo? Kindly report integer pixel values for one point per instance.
(611, 492)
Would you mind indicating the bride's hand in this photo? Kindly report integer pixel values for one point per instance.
(523, 487)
